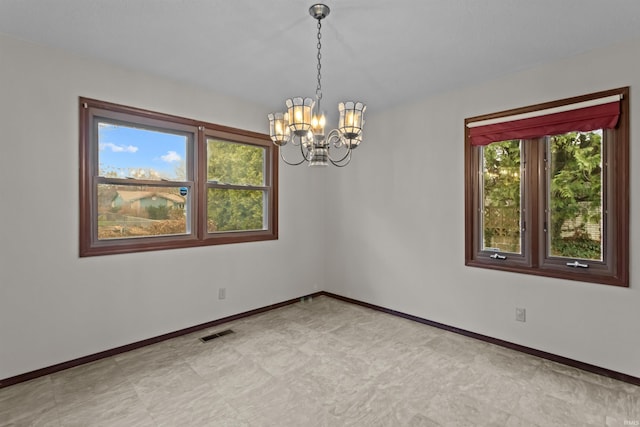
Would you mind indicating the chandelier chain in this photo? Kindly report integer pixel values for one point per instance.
(319, 87)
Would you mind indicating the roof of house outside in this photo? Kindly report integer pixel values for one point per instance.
(132, 196)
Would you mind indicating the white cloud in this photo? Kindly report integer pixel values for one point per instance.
(118, 148)
(171, 156)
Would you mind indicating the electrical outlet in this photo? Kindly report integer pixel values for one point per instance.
(222, 293)
(521, 314)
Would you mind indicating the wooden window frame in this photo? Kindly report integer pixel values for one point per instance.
(198, 234)
(614, 269)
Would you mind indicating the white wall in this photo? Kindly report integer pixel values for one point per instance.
(55, 306)
(398, 235)
(394, 219)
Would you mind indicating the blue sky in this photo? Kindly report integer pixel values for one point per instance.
(140, 152)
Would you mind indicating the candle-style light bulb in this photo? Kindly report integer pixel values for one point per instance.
(318, 121)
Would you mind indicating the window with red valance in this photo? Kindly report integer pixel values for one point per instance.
(547, 189)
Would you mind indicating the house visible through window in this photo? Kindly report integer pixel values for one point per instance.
(151, 181)
(547, 189)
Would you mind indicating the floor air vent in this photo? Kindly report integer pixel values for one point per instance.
(216, 335)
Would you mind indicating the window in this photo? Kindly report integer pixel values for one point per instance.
(546, 189)
(150, 181)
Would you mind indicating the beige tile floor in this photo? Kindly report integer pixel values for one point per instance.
(322, 363)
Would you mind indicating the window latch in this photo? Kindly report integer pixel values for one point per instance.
(498, 256)
(577, 264)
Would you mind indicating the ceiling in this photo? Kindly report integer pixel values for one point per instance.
(382, 52)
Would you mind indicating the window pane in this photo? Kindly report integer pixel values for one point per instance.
(233, 163)
(501, 195)
(132, 152)
(575, 199)
(235, 210)
(140, 211)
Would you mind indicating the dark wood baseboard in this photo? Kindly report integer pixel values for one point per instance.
(523, 349)
(112, 352)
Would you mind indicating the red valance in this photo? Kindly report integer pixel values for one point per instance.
(603, 116)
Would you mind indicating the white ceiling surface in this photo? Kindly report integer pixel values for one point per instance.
(382, 52)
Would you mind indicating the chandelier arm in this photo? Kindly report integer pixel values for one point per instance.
(288, 162)
(340, 163)
(334, 161)
(334, 139)
(304, 156)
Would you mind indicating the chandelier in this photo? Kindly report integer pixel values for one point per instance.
(303, 122)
